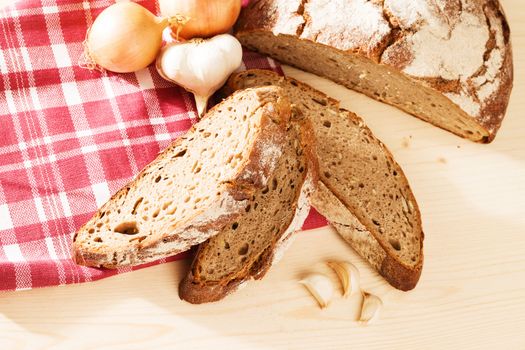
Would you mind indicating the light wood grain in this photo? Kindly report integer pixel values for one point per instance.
(471, 295)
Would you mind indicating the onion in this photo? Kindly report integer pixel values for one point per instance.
(125, 38)
(201, 18)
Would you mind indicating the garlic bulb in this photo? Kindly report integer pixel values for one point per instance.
(320, 287)
(200, 66)
(348, 275)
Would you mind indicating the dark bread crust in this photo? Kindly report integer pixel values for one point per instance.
(197, 291)
(387, 46)
(398, 274)
(496, 108)
(192, 290)
(275, 119)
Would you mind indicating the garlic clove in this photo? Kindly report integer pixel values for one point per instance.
(320, 287)
(348, 275)
(370, 308)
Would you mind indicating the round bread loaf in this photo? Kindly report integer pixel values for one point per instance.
(448, 62)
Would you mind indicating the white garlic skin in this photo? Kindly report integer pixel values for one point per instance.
(201, 66)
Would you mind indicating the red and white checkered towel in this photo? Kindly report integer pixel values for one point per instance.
(70, 137)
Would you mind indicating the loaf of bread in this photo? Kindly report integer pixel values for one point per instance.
(200, 184)
(448, 62)
(248, 247)
(361, 190)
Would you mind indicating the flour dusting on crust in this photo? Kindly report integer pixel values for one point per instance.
(453, 40)
(360, 19)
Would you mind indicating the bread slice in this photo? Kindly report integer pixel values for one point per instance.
(362, 190)
(248, 247)
(197, 186)
(448, 62)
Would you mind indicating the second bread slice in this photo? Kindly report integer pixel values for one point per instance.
(247, 248)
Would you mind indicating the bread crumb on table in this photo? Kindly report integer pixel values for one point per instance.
(405, 142)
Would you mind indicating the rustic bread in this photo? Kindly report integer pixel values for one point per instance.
(362, 190)
(446, 62)
(247, 248)
(193, 189)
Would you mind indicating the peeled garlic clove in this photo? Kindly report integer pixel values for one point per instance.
(320, 287)
(200, 66)
(370, 308)
(348, 275)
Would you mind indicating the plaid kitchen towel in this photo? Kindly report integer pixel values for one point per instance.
(70, 137)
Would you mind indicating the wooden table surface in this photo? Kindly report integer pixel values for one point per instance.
(471, 294)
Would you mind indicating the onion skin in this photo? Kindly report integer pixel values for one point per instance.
(125, 38)
(206, 18)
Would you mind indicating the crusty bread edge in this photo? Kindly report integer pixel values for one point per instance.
(345, 223)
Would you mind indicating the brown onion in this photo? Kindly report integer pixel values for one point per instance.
(125, 38)
(201, 18)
